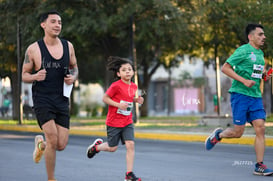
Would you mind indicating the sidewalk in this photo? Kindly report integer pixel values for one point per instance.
(153, 134)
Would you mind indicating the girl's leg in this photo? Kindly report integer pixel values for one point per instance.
(106, 147)
(130, 154)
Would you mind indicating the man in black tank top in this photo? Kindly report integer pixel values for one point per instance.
(51, 58)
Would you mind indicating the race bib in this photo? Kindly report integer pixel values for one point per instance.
(257, 71)
(129, 109)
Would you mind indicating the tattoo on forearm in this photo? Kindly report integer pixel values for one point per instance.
(75, 71)
(26, 59)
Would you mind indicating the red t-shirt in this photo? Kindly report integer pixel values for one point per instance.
(120, 91)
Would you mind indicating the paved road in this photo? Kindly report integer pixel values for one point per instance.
(155, 161)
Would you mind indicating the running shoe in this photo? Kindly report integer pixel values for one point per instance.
(213, 139)
(91, 150)
(261, 169)
(38, 153)
(131, 177)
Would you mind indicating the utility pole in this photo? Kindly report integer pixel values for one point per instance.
(271, 88)
(134, 59)
(169, 90)
(218, 86)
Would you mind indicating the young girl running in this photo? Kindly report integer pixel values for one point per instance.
(120, 97)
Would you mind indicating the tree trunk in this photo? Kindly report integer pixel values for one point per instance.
(145, 86)
(15, 96)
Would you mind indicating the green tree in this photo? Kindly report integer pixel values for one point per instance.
(164, 30)
(104, 28)
(221, 25)
(162, 33)
(14, 27)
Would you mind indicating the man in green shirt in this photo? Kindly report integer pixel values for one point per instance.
(246, 67)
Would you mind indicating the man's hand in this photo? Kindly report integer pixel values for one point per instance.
(249, 83)
(267, 75)
(40, 75)
(69, 79)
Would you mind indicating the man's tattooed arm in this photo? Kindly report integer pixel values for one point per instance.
(74, 70)
(26, 61)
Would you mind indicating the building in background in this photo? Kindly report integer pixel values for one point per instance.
(191, 90)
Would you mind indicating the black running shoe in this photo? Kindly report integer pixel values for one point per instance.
(131, 177)
(91, 150)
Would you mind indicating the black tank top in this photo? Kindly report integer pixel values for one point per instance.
(53, 83)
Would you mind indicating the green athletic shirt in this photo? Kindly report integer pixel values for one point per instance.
(248, 62)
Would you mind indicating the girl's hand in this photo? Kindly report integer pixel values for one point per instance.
(123, 106)
(139, 100)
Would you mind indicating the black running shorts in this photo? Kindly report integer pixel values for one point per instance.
(53, 107)
(114, 134)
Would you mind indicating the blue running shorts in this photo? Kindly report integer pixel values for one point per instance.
(246, 108)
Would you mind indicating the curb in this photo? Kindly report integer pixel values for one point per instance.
(187, 137)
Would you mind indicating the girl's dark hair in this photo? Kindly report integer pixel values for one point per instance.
(250, 27)
(44, 16)
(114, 64)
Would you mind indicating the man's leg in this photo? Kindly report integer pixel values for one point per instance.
(63, 136)
(235, 132)
(216, 136)
(51, 135)
(260, 168)
(259, 139)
